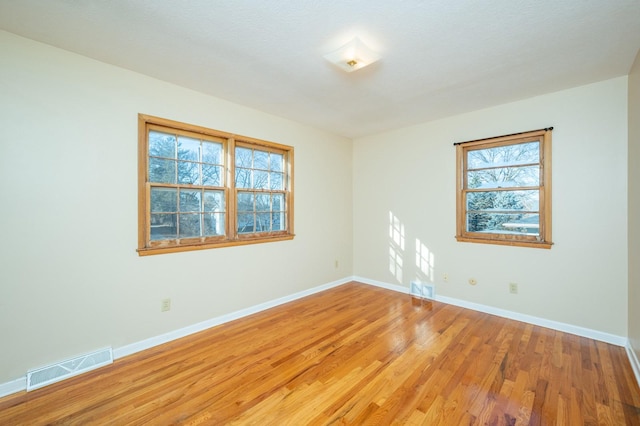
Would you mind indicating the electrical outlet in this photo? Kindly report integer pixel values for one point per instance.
(473, 281)
(165, 305)
(445, 277)
(513, 288)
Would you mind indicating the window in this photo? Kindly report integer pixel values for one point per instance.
(200, 188)
(504, 190)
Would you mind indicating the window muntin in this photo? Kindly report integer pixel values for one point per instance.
(188, 199)
(504, 190)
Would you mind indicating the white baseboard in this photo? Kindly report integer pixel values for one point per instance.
(13, 386)
(633, 360)
(530, 319)
(20, 384)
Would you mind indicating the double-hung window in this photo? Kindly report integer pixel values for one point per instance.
(504, 190)
(200, 188)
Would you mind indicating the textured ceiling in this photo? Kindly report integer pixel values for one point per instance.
(439, 57)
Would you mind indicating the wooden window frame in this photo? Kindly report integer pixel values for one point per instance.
(229, 141)
(543, 239)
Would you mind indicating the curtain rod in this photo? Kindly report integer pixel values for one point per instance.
(546, 129)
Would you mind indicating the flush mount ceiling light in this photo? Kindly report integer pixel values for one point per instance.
(352, 56)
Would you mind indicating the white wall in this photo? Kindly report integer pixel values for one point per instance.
(634, 206)
(409, 174)
(70, 278)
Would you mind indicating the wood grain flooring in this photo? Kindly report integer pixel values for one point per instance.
(355, 354)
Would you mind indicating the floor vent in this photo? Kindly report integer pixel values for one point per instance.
(69, 368)
(423, 290)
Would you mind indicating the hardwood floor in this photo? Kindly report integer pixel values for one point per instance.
(354, 354)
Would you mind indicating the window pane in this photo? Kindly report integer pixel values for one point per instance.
(162, 171)
(213, 223)
(504, 177)
(276, 181)
(243, 178)
(276, 162)
(245, 223)
(211, 175)
(190, 200)
(263, 202)
(263, 222)
(500, 223)
(503, 200)
(211, 152)
(260, 160)
(188, 172)
(278, 202)
(260, 179)
(163, 227)
(162, 144)
(277, 221)
(188, 149)
(213, 201)
(243, 157)
(245, 202)
(164, 200)
(189, 225)
(508, 155)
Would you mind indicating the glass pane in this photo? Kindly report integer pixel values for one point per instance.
(263, 222)
(502, 156)
(164, 200)
(162, 144)
(243, 157)
(213, 201)
(276, 181)
(163, 227)
(504, 177)
(162, 171)
(243, 178)
(213, 224)
(245, 201)
(211, 152)
(278, 202)
(260, 179)
(211, 175)
(504, 200)
(190, 200)
(189, 225)
(500, 223)
(188, 172)
(277, 221)
(260, 160)
(245, 223)
(263, 202)
(276, 162)
(188, 149)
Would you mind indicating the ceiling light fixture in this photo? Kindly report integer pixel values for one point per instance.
(352, 56)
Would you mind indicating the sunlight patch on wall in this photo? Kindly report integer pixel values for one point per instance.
(396, 246)
(395, 263)
(424, 261)
(396, 231)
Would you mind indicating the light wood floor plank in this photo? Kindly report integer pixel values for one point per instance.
(354, 354)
